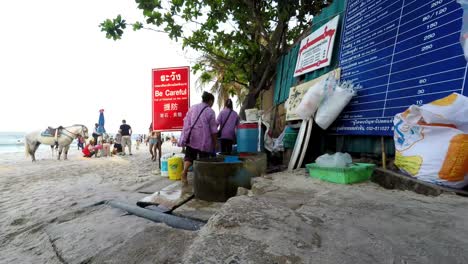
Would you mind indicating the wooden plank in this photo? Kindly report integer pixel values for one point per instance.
(297, 146)
(394, 180)
(305, 144)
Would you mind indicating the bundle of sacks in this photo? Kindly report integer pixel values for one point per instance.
(325, 101)
(431, 141)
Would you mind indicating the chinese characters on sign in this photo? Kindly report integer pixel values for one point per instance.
(316, 50)
(171, 97)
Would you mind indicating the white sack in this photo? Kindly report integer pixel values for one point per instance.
(431, 141)
(311, 101)
(334, 101)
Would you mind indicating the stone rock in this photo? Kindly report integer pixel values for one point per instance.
(242, 191)
(253, 230)
(261, 186)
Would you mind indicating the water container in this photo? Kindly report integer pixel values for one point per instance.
(175, 167)
(216, 181)
(164, 167)
(231, 159)
(247, 138)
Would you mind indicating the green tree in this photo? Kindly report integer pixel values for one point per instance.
(214, 76)
(245, 37)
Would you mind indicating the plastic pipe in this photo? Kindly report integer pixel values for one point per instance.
(170, 220)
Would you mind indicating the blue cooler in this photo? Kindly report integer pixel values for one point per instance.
(247, 138)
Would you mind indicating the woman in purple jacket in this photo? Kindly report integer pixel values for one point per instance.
(199, 132)
(228, 120)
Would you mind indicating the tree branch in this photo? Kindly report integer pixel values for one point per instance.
(155, 30)
(259, 23)
(241, 83)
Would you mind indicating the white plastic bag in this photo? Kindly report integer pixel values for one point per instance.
(431, 141)
(311, 101)
(464, 29)
(337, 160)
(335, 100)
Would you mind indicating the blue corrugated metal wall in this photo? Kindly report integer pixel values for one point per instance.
(286, 65)
(285, 79)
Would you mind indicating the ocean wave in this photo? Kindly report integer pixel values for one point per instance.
(11, 141)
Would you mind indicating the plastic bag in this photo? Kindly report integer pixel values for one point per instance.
(337, 160)
(464, 29)
(431, 141)
(311, 101)
(335, 100)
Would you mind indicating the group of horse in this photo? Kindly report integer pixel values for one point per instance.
(62, 138)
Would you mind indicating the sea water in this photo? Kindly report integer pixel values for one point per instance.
(13, 142)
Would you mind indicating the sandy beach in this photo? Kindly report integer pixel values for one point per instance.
(36, 198)
(47, 216)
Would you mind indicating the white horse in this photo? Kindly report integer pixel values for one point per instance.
(64, 138)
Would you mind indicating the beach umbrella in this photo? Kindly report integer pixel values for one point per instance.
(101, 129)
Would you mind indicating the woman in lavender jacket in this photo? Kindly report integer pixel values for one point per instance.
(228, 120)
(199, 132)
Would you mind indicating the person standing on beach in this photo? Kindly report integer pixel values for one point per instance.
(228, 120)
(80, 142)
(199, 132)
(126, 132)
(154, 139)
(96, 134)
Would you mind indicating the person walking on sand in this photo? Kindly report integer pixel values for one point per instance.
(228, 120)
(154, 140)
(80, 142)
(199, 132)
(96, 134)
(126, 132)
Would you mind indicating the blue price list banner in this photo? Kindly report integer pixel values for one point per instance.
(401, 52)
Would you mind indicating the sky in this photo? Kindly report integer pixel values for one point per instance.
(57, 68)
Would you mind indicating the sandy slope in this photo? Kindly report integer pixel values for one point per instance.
(44, 214)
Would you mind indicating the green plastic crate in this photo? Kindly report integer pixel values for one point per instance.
(357, 172)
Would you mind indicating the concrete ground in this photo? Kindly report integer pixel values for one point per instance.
(292, 218)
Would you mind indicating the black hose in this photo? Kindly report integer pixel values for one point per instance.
(170, 220)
